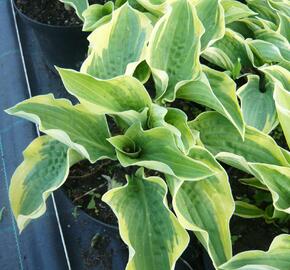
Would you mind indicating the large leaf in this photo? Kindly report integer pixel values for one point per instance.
(174, 49)
(264, 9)
(277, 256)
(258, 106)
(123, 95)
(79, 5)
(275, 38)
(153, 234)
(265, 52)
(156, 149)
(206, 207)
(215, 90)
(211, 14)
(218, 135)
(96, 15)
(258, 154)
(74, 126)
(44, 169)
(118, 46)
(228, 51)
(235, 10)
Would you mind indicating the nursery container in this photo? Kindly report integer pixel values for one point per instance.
(64, 46)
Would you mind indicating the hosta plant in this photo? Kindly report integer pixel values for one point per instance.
(224, 56)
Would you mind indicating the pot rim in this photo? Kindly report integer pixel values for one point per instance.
(44, 24)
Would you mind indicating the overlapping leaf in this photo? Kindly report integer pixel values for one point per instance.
(96, 15)
(211, 15)
(205, 207)
(74, 126)
(123, 96)
(153, 234)
(228, 51)
(156, 149)
(174, 49)
(118, 46)
(258, 154)
(215, 90)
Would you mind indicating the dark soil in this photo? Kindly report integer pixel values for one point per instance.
(87, 183)
(51, 12)
(248, 234)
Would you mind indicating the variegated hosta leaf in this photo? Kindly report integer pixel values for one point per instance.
(281, 6)
(227, 51)
(205, 207)
(153, 234)
(218, 135)
(157, 7)
(235, 10)
(156, 149)
(96, 15)
(211, 14)
(258, 154)
(174, 49)
(258, 107)
(281, 78)
(74, 126)
(277, 257)
(176, 121)
(118, 46)
(264, 10)
(215, 90)
(275, 38)
(278, 75)
(79, 5)
(265, 52)
(124, 96)
(253, 182)
(284, 26)
(282, 101)
(44, 169)
(247, 210)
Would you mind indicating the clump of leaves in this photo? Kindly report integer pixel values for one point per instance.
(167, 40)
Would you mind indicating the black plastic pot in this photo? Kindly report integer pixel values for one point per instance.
(63, 46)
(80, 230)
(110, 253)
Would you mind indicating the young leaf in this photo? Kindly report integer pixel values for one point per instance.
(258, 105)
(74, 126)
(277, 257)
(174, 48)
(97, 15)
(79, 5)
(247, 210)
(117, 47)
(44, 169)
(153, 234)
(156, 149)
(205, 207)
(215, 90)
